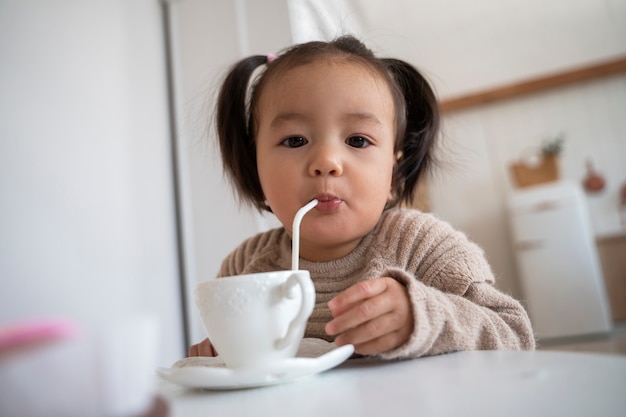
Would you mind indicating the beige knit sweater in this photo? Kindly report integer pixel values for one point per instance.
(450, 284)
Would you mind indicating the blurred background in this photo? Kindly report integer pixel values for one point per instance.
(112, 200)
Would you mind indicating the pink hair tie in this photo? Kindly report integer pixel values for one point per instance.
(271, 57)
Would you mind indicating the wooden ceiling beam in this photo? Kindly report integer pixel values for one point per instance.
(534, 85)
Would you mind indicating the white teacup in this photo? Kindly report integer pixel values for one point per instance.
(254, 320)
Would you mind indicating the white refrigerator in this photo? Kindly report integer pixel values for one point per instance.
(557, 261)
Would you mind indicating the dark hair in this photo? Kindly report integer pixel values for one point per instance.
(417, 113)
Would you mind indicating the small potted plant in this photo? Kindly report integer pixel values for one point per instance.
(552, 147)
(546, 169)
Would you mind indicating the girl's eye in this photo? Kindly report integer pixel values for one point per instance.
(357, 142)
(295, 142)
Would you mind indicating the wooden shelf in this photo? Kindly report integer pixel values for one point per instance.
(535, 85)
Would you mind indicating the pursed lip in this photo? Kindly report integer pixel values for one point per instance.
(327, 202)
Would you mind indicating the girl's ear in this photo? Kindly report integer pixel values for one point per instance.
(392, 187)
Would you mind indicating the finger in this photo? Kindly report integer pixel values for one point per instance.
(204, 348)
(380, 345)
(193, 351)
(370, 330)
(362, 312)
(348, 298)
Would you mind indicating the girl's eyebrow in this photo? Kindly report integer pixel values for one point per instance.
(287, 117)
(363, 116)
(291, 116)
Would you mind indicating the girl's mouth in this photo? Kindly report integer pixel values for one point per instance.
(327, 202)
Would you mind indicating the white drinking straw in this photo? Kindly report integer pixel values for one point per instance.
(295, 240)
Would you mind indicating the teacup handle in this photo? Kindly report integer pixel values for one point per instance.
(306, 306)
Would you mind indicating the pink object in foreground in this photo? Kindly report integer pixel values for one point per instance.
(19, 334)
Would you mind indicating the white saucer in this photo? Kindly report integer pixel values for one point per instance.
(314, 356)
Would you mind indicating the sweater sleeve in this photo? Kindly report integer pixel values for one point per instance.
(454, 303)
(482, 318)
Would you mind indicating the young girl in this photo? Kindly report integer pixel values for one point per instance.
(333, 122)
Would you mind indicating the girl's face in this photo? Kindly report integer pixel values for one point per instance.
(326, 130)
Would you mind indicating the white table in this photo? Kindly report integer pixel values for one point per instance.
(484, 383)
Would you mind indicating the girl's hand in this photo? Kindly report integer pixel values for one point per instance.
(375, 316)
(204, 348)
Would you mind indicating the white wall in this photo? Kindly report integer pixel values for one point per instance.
(86, 203)
(470, 45)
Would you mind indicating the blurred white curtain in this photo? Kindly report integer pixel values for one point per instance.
(324, 19)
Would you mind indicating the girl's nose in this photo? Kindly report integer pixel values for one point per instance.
(326, 161)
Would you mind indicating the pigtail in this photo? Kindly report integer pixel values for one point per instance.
(422, 124)
(233, 129)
